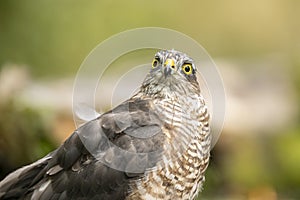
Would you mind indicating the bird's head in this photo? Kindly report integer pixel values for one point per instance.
(172, 71)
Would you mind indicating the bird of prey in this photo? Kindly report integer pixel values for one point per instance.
(155, 145)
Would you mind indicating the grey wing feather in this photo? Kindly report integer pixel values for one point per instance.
(74, 170)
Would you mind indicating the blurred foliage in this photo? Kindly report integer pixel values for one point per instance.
(286, 153)
(24, 136)
(246, 164)
(53, 37)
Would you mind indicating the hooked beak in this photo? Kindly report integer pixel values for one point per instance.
(169, 67)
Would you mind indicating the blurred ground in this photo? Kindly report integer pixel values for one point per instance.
(255, 44)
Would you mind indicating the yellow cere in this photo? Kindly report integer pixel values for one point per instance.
(170, 62)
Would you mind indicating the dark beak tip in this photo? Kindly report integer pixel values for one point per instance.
(167, 71)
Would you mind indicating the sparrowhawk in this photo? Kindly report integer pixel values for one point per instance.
(155, 145)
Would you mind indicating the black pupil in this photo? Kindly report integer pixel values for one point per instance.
(154, 63)
(187, 68)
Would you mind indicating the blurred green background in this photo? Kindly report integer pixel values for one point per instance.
(255, 44)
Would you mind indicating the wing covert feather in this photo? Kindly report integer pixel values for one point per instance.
(73, 171)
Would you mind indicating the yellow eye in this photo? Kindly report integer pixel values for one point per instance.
(155, 62)
(187, 69)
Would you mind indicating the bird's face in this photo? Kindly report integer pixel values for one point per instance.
(172, 71)
(172, 64)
